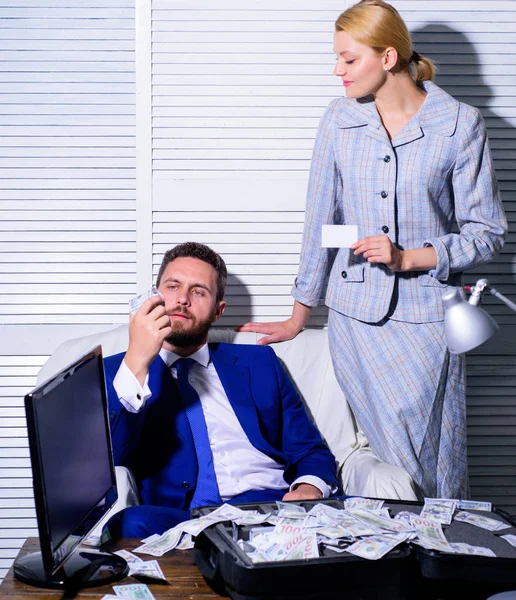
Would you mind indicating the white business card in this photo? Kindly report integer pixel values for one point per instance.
(339, 236)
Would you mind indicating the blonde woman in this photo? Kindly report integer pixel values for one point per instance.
(411, 166)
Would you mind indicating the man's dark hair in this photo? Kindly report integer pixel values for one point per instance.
(201, 252)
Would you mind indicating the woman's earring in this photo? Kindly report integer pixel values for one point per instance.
(385, 69)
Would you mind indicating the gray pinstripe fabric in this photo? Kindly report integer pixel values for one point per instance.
(407, 392)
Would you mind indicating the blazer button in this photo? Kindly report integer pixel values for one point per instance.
(185, 484)
(343, 274)
(385, 229)
(384, 194)
(386, 158)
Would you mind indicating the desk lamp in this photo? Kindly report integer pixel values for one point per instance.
(466, 325)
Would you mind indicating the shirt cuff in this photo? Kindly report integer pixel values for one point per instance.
(442, 269)
(316, 482)
(131, 394)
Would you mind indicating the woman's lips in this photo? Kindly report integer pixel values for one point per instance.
(346, 83)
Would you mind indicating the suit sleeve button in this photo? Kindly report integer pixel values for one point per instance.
(383, 194)
(185, 484)
(343, 274)
(385, 229)
(386, 158)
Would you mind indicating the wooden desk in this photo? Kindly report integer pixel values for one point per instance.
(178, 567)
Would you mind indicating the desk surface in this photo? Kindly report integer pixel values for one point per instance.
(178, 567)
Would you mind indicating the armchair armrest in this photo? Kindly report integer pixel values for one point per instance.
(364, 474)
(128, 495)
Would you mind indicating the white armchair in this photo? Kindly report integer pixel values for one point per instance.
(308, 362)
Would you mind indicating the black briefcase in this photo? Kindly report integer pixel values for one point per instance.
(409, 572)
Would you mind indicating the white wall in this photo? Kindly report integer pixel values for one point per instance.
(228, 100)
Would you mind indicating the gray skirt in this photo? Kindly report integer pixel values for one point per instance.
(408, 396)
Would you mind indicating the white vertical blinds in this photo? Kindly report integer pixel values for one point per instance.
(67, 204)
(237, 93)
(67, 161)
(17, 518)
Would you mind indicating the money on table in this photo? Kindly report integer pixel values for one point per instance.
(138, 591)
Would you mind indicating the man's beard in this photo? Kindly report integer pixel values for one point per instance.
(195, 335)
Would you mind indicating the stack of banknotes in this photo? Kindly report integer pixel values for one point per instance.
(360, 526)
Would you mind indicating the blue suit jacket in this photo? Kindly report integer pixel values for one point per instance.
(157, 444)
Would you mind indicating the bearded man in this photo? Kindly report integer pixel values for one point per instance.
(200, 424)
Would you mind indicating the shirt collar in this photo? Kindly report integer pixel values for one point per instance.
(438, 113)
(201, 356)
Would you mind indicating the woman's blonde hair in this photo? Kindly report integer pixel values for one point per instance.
(379, 25)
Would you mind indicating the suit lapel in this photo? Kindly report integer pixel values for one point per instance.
(408, 134)
(363, 113)
(236, 381)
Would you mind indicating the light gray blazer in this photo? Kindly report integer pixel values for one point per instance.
(434, 175)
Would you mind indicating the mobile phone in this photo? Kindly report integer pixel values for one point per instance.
(136, 302)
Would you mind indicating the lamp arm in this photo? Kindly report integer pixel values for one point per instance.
(483, 285)
(477, 290)
(501, 297)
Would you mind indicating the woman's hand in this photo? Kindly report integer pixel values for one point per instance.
(380, 249)
(277, 331)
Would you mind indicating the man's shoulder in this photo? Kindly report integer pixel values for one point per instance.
(244, 351)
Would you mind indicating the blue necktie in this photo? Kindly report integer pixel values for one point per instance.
(207, 490)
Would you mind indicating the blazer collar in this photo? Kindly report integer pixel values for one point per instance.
(201, 356)
(440, 111)
(438, 114)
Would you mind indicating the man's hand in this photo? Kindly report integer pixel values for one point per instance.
(304, 491)
(148, 329)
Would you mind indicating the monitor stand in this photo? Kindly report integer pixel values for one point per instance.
(85, 568)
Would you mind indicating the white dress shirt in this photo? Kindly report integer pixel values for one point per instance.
(239, 466)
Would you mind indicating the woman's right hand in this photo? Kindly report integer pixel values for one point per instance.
(276, 331)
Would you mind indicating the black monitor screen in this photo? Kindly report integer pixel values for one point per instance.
(74, 481)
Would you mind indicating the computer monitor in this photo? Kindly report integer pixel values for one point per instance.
(73, 477)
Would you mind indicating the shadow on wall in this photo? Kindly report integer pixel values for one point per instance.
(239, 309)
(455, 57)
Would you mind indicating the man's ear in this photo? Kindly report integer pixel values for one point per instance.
(219, 310)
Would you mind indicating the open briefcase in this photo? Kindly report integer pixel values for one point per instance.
(408, 572)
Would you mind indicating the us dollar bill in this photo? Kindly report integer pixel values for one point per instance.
(439, 509)
(138, 591)
(481, 521)
(474, 505)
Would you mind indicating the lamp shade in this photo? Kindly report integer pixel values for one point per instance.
(465, 326)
